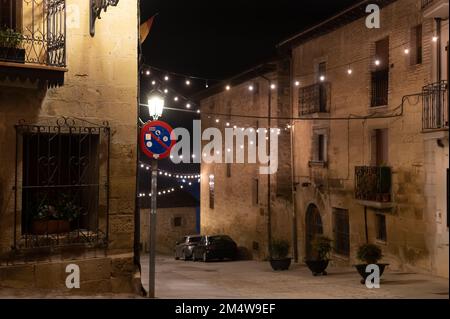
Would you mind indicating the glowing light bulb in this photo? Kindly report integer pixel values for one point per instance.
(227, 88)
(188, 106)
(297, 83)
(166, 78)
(349, 71)
(435, 38)
(188, 82)
(406, 51)
(250, 88)
(377, 62)
(175, 98)
(273, 86)
(322, 78)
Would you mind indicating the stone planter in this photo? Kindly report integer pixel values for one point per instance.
(43, 227)
(317, 267)
(280, 264)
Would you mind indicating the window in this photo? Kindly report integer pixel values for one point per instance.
(321, 71)
(416, 45)
(8, 12)
(379, 147)
(380, 223)
(380, 76)
(319, 147)
(211, 191)
(177, 221)
(60, 178)
(341, 230)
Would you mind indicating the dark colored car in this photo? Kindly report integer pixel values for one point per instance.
(215, 247)
(184, 248)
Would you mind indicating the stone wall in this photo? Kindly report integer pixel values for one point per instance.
(168, 233)
(240, 191)
(100, 85)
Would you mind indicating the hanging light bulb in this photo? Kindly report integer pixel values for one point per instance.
(377, 62)
(198, 111)
(406, 51)
(147, 72)
(153, 82)
(227, 124)
(250, 88)
(297, 83)
(273, 86)
(206, 84)
(188, 105)
(349, 71)
(435, 38)
(175, 98)
(217, 120)
(166, 91)
(322, 78)
(228, 88)
(166, 78)
(188, 82)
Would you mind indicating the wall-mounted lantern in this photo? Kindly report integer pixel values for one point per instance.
(96, 7)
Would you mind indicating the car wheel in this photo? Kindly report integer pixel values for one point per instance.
(205, 258)
(176, 256)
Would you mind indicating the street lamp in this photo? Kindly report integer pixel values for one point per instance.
(155, 110)
(155, 106)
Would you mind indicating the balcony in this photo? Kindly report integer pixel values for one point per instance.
(435, 106)
(373, 186)
(33, 41)
(315, 99)
(435, 8)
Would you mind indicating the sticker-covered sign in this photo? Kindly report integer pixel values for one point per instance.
(155, 139)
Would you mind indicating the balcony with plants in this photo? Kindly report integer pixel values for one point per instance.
(373, 186)
(33, 41)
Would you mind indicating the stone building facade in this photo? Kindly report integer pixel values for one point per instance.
(371, 149)
(235, 196)
(68, 146)
(176, 217)
(369, 135)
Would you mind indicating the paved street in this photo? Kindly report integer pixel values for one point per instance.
(252, 279)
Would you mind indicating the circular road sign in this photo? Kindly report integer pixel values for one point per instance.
(155, 139)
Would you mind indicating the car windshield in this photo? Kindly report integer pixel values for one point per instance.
(194, 239)
(215, 239)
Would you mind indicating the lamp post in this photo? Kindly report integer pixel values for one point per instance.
(155, 110)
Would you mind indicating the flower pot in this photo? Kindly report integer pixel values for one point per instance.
(361, 268)
(43, 227)
(12, 55)
(317, 267)
(280, 264)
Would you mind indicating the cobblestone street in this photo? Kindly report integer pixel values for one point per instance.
(253, 279)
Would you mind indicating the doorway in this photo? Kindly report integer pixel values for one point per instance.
(313, 227)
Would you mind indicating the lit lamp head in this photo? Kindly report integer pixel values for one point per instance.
(155, 106)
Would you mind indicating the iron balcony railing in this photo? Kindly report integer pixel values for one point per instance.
(435, 106)
(33, 31)
(426, 3)
(373, 183)
(315, 98)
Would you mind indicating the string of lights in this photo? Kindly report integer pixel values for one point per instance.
(170, 174)
(192, 107)
(163, 192)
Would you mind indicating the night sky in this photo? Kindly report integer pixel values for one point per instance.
(216, 40)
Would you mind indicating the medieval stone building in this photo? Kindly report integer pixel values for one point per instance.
(369, 136)
(68, 95)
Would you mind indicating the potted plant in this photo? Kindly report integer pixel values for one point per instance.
(279, 259)
(10, 50)
(369, 254)
(55, 218)
(321, 246)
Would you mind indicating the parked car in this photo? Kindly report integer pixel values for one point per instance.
(215, 247)
(184, 248)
